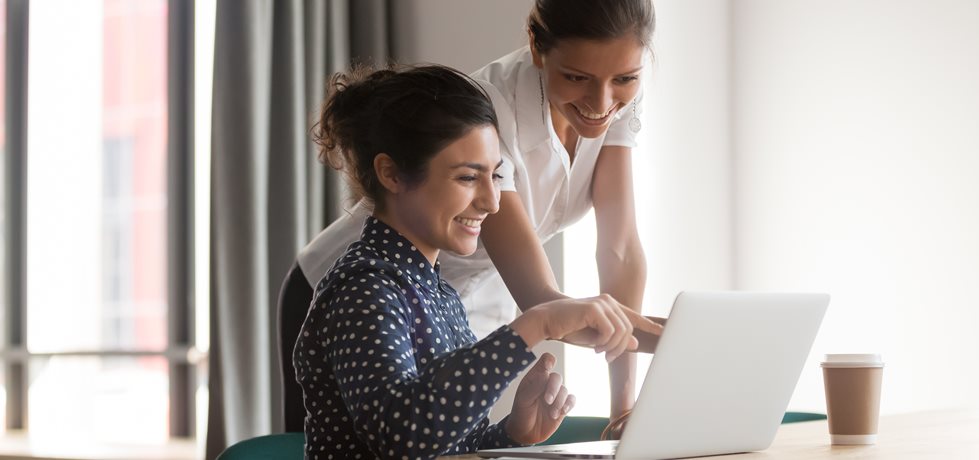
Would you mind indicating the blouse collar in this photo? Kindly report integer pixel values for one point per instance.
(532, 114)
(401, 252)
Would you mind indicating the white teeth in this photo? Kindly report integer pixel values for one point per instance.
(594, 116)
(468, 222)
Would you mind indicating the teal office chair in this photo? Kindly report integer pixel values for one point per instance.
(578, 429)
(283, 446)
(793, 417)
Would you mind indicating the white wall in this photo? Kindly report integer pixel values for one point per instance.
(465, 34)
(856, 160)
(682, 165)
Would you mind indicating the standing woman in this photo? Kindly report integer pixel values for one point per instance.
(387, 363)
(567, 106)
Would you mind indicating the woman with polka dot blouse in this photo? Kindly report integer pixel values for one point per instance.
(387, 362)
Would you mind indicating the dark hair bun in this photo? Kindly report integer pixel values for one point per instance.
(408, 113)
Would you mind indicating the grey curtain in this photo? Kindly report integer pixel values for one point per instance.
(269, 195)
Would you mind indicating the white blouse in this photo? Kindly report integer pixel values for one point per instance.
(555, 192)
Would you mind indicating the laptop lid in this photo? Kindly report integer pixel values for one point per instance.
(720, 380)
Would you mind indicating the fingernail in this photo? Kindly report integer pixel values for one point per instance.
(549, 398)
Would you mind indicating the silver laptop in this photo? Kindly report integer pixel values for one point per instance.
(720, 380)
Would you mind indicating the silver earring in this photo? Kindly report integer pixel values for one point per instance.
(634, 124)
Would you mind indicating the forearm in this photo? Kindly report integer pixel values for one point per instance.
(623, 276)
(527, 274)
(516, 251)
(622, 384)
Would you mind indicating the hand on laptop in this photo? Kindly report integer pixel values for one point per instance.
(540, 404)
(646, 329)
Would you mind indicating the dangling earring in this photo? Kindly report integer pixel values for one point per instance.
(634, 124)
(540, 80)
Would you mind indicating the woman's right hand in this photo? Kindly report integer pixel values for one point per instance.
(598, 322)
(646, 329)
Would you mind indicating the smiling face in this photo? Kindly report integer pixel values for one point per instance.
(460, 189)
(588, 81)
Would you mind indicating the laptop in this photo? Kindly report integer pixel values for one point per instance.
(720, 380)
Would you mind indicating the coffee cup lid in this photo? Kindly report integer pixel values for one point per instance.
(852, 360)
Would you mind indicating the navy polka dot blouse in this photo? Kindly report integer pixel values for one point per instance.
(387, 362)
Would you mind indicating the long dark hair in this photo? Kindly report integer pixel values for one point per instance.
(553, 20)
(408, 113)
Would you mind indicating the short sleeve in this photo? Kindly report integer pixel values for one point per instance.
(620, 133)
(507, 131)
(507, 170)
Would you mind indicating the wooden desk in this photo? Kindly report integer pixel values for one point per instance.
(946, 434)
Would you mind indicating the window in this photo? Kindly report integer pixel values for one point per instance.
(104, 350)
(96, 243)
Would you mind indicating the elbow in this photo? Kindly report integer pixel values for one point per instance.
(623, 258)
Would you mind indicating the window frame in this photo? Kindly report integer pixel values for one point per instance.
(15, 183)
(183, 358)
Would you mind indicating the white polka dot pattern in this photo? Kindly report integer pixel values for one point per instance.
(387, 362)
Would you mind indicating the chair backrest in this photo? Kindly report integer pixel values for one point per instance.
(282, 446)
(294, 299)
(578, 429)
(793, 417)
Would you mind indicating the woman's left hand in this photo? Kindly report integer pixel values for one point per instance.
(540, 404)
